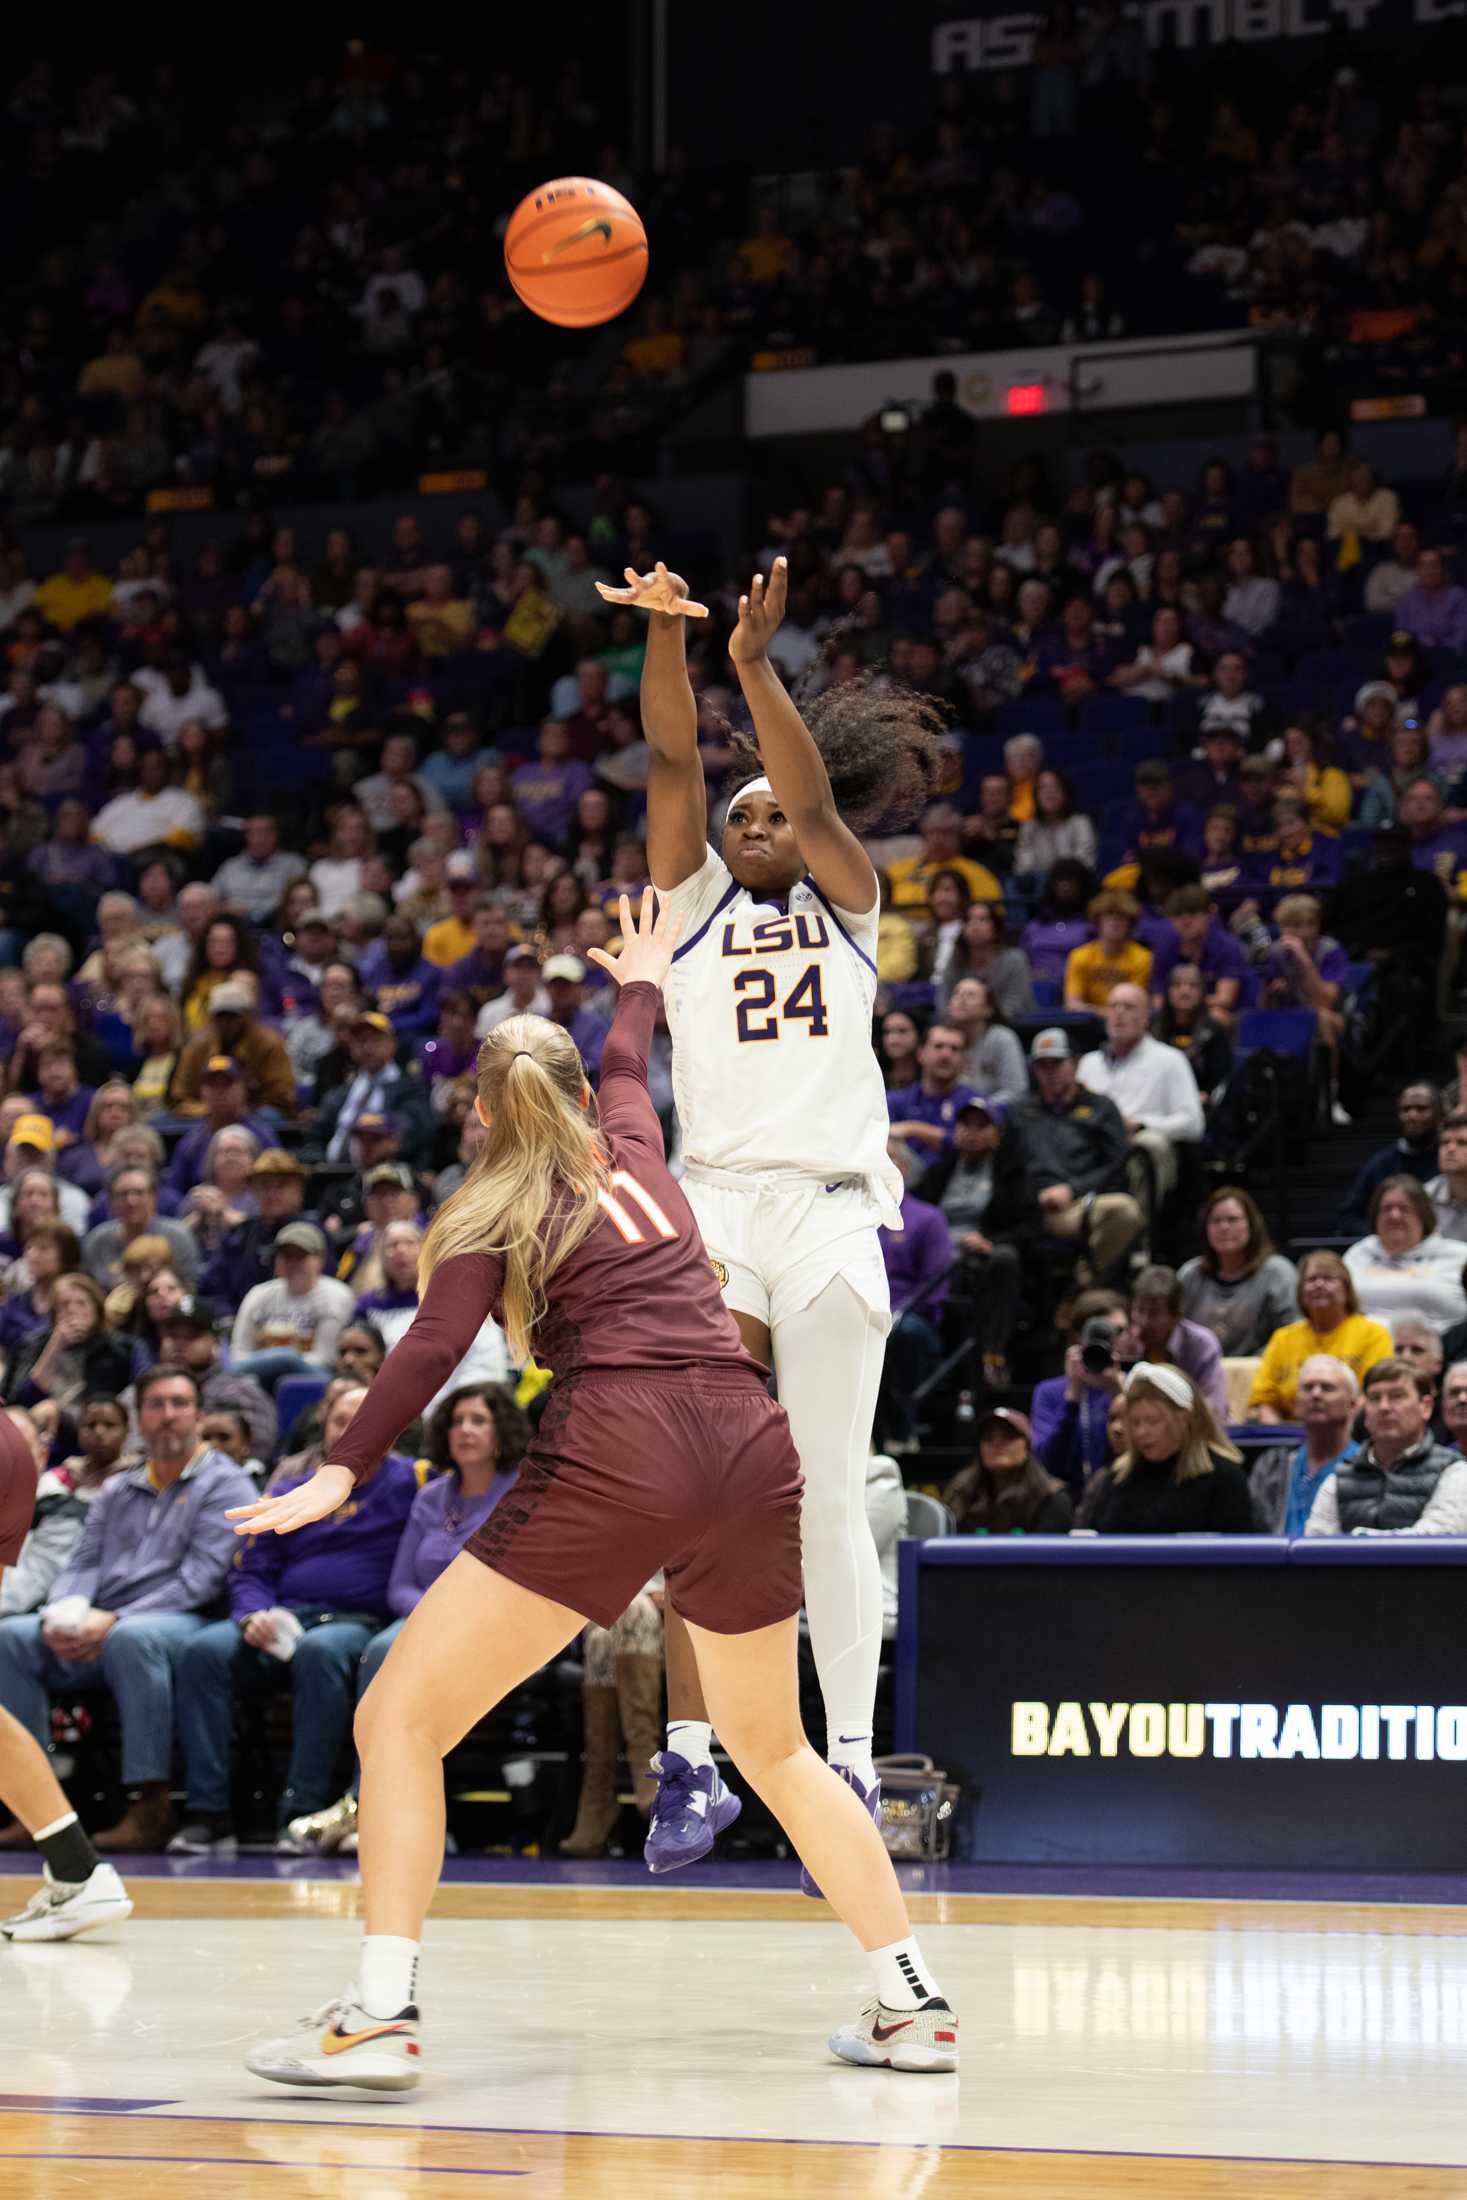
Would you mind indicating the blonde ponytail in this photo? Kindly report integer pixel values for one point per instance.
(531, 1190)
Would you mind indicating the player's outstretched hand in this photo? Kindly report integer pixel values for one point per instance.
(328, 1487)
(646, 946)
(658, 590)
(759, 614)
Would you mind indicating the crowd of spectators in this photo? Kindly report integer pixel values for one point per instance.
(284, 828)
(307, 303)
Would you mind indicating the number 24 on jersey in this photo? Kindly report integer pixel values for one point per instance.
(758, 1015)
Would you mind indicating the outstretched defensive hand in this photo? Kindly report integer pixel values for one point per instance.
(759, 614)
(658, 590)
(328, 1487)
(646, 946)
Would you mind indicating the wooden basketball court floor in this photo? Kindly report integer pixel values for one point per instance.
(625, 2038)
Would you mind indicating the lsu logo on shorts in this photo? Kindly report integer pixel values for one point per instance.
(720, 1271)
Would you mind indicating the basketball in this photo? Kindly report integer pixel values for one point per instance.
(575, 252)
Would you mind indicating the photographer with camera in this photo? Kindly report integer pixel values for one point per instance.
(1069, 1412)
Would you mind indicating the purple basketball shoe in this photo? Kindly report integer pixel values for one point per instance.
(692, 1808)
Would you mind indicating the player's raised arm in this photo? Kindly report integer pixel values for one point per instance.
(677, 799)
(838, 863)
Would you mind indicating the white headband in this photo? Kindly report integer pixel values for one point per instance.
(1170, 1381)
(754, 786)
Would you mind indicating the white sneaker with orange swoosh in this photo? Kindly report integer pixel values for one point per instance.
(341, 2045)
(900, 2039)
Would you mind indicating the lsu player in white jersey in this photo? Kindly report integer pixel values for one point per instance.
(783, 1114)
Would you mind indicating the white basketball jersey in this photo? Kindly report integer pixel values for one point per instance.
(770, 1013)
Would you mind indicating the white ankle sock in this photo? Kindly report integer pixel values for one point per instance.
(692, 1739)
(848, 1748)
(901, 1978)
(387, 1974)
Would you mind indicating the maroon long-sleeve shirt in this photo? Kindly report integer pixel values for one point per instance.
(638, 1292)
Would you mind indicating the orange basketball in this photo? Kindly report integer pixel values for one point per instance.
(576, 252)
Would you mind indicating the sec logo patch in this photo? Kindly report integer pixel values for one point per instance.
(720, 1271)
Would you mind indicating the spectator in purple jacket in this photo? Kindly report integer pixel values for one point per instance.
(61, 1095)
(404, 982)
(1435, 610)
(222, 1092)
(1158, 1333)
(546, 792)
(481, 971)
(302, 1609)
(1060, 923)
(915, 1256)
(476, 1440)
(923, 1115)
(1156, 819)
(1194, 935)
(451, 1050)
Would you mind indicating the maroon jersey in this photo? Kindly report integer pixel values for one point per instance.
(638, 1292)
(17, 1490)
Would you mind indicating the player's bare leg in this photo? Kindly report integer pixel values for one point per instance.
(29, 1789)
(474, 1638)
(693, 1805)
(753, 1693)
(79, 1892)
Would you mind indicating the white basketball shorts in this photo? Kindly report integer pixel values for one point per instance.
(776, 1241)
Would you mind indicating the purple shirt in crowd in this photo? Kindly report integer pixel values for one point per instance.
(920, 1250)
(438, 1527)
(1221, 957)
(339, 1564)
(546, 795)
(67, 1115)
(187, 1166)
(1048, 943)
(1439, 621)
(160, 1550)
(409, 997)
(910, 1104)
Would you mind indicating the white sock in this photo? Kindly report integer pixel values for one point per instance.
(692, 1739)
(848, 1748)
(387, 1974)
(901, 1978)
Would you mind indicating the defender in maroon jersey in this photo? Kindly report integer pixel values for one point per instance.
(658, 1446)
(78, 1892)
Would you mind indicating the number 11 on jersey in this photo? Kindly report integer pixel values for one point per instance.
(612, 1207)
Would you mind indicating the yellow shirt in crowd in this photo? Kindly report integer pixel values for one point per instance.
(448, 941)
(1092, 973)
(64, 601)
(911, 876)
(1358, 1341)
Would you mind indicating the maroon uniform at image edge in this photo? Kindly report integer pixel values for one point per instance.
(659, 1445)
(17, 1491)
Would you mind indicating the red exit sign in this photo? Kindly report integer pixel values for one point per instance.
(1025, 397)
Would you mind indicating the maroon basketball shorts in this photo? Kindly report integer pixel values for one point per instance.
(17, 1490)
(692, 1472)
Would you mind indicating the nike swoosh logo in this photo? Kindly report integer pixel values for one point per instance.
(337, 2043)
(881, 2033)
(595, 227)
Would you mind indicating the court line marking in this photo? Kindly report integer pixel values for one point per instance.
(254, 2161)
(733, 2138)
